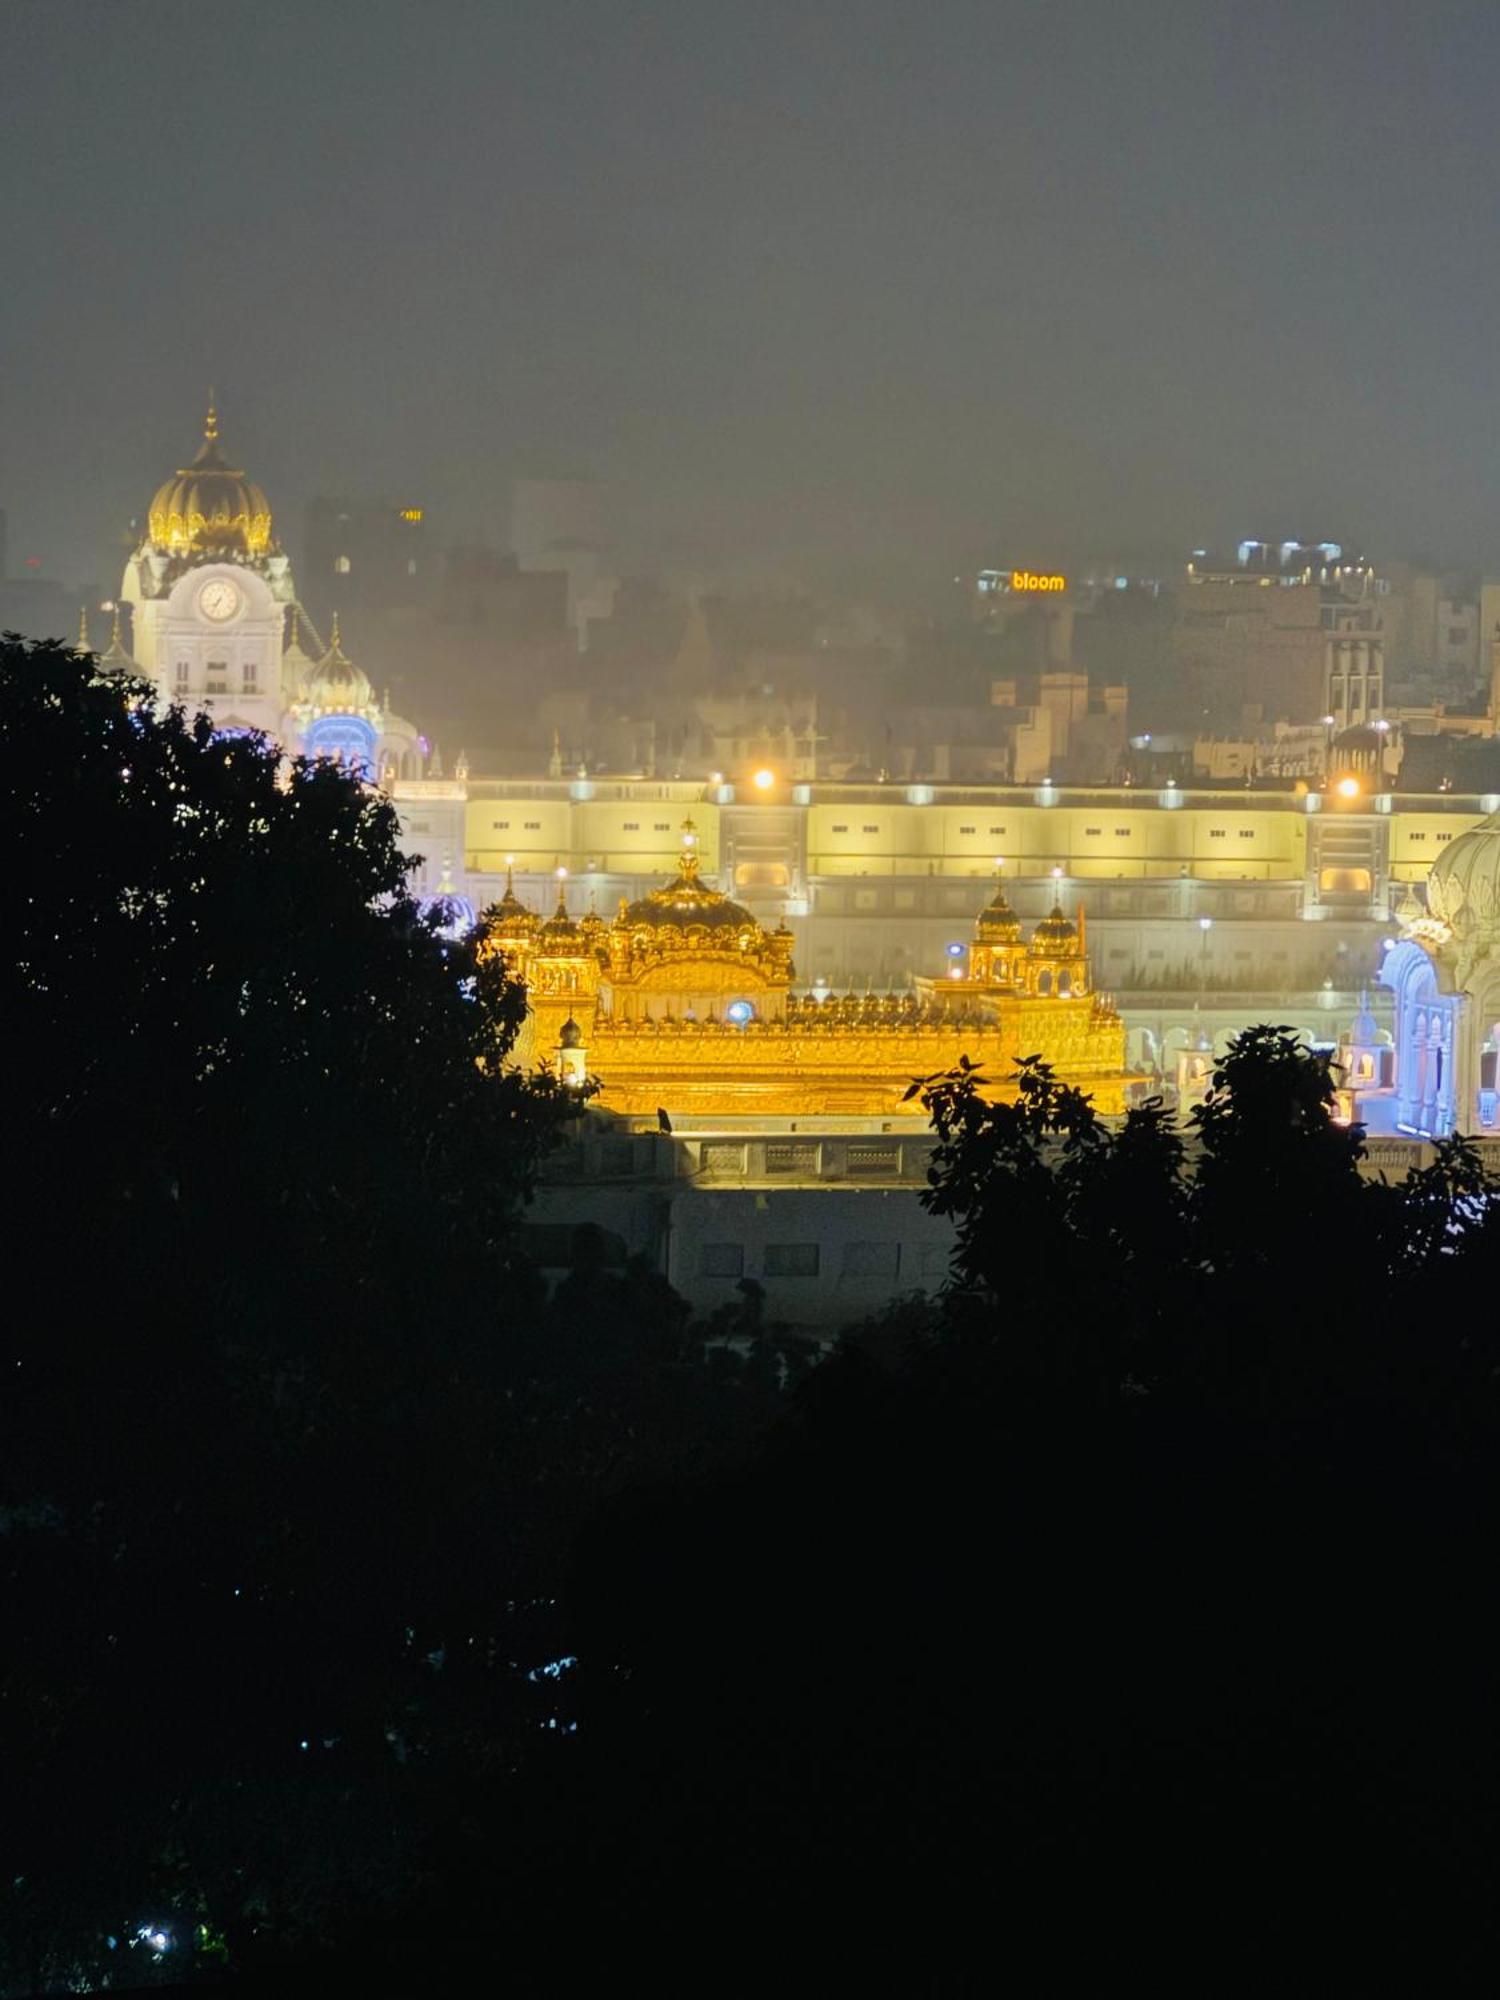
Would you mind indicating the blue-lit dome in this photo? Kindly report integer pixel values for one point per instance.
(453, 915)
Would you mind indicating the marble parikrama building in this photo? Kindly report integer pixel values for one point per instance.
(216, 624)
(684, 1002)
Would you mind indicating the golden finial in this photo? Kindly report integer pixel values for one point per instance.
(335, 644)
(83, 628)
(114, 629)
(211, 421)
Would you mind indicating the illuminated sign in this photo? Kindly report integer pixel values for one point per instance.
(411, 514)
(1028, 581)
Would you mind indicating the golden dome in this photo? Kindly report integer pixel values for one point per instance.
(510, 917)
(688, 901)
(1056, 936)
(997, 922)
(209, 508)
(336, 686)
(560, 933)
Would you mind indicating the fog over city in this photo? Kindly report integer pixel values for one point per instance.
(852, 295)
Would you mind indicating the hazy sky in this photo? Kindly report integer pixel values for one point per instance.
(846, 290)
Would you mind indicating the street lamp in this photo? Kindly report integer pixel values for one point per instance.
(1205, 925)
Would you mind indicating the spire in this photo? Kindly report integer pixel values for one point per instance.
(554, 762)
(687, 861)
(116, 659)
(83, 629)
(208, 452)
(334, 643)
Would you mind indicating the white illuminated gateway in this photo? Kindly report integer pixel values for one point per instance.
(216, 625)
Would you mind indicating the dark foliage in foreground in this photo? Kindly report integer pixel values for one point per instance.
(1135, 1608)
(371, 1620)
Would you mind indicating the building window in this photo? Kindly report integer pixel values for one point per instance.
(968, 829)
(1093, 832)
(791, 1156)
(631, 826)
(532, 825)
(721, 1260)
(997, 829)
(411, 565)
(871, 1260)
(1216, 833)
(500, 826)
(1121, 831)
(791, 1260)
(1419, 836)
(838, 829)
(1247, 833)
(662, 826)
(869, 829)
(182, 680)
(342, 565)
(249, 679)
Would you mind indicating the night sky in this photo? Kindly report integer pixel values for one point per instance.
(847, 293)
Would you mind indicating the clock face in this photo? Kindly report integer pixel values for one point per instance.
(218, 599)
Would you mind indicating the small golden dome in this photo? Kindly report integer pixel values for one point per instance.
(1056, 936)
(997, 922)
(209, 508)
(560, 933)
(510, 916)
(336, 686)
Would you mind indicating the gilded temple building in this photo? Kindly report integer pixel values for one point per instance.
(685, 1002)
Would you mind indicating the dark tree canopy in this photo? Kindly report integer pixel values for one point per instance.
(372, 1618)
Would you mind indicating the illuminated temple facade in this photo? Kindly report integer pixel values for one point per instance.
(684, 1002)
(1444, 973)
(215, 624)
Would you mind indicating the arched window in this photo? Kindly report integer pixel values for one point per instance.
(1044, 982)
(342, 565)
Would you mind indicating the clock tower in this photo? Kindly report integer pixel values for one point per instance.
(209, 589)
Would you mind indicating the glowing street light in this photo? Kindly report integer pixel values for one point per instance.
(764, 779)
(1347, 788)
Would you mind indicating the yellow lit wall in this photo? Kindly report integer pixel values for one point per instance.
(1417, 839)
(635, 838)
(1117, 840)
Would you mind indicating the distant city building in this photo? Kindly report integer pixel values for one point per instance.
(558, 525)
(365, 554)
(1280, 631)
